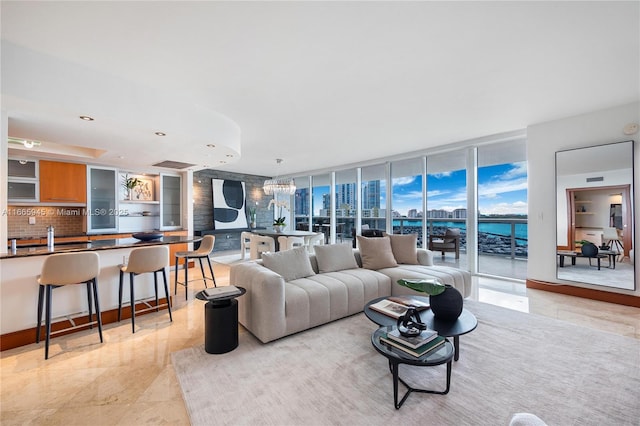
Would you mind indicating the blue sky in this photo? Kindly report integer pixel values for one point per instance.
(502, 189)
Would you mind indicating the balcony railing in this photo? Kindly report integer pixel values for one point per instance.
(496, 236)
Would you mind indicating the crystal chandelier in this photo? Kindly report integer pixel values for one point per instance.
(279, 185)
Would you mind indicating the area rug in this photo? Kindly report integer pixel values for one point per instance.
(513, 362)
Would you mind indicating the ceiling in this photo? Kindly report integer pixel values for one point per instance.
(319, 84)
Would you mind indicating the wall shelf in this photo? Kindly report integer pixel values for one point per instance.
(139, 202)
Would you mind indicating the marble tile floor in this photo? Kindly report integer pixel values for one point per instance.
(129, 379)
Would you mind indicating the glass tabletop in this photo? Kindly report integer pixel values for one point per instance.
(440, 355)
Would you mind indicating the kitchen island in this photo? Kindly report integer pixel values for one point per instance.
(19, 288)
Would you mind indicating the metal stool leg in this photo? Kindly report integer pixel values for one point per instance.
(133, 304)
(40, 304)
(166, 291)
(90, 303)
(175, 281)
(155, 286)
(98, 315)
(186, 277)
(212, 274)
(120, 296)
(202, 271)
(49, 294)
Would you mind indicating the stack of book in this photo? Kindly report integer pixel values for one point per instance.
(214, 293)
(415, 346)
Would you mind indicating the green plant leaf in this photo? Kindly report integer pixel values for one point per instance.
(432, 287)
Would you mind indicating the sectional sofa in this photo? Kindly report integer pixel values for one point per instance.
(291, 291)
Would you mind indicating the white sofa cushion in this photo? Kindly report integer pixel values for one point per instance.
(291, 264)
(335, 257)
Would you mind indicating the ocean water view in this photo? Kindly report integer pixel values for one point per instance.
(493, 228)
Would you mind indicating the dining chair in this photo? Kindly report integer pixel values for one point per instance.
(59, 270)
(260, 244)
(314, 240)
(611, 237)
(288, 243)
(245, 242)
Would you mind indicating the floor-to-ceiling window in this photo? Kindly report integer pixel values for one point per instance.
(321, 203)
(302, 203)
(447, 197)
(346, 204)
(406, 201)
(502, 209)
(373, 190)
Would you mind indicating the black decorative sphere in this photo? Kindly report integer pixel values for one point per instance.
(447, 305)
(589, 250)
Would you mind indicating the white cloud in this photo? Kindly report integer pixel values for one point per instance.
(404, 180)
(517, 207)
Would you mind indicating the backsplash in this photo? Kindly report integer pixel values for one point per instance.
(66, 221)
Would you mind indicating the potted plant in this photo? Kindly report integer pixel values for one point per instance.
(129, 183)
(252, 217)
(445, 300)
(588, 249)
(279, 222)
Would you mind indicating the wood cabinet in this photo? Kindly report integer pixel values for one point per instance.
(62, 182)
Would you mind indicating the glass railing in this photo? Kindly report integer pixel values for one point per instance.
(496, 236)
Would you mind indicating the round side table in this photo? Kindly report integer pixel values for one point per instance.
(220, 322)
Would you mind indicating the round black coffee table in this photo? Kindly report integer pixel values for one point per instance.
(465, 323)
(220, 323)
(441, 355)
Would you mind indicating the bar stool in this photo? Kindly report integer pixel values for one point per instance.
(142, 260)
(205, 249)
(63, 269)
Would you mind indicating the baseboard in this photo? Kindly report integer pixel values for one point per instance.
(28, 336)
(586, 293)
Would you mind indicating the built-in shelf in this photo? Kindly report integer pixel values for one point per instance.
(580, 213)
(139, 202)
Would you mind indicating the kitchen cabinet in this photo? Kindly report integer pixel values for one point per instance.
(170, 202)
(22, 181)
(63, 182)
(102, 207)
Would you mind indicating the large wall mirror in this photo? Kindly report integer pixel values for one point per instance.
(594, 192)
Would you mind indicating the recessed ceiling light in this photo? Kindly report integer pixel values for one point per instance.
(86, 118)
(230, 155)
(223, 162)
(161, 134)
(210, 145)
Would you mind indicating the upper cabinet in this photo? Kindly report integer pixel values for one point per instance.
(63, 182)
(102, 207)
(22, 181)
(170, 202)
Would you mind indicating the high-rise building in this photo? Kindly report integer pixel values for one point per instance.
(371, 194)
(302, 202)
(326, 202)
(346, 195)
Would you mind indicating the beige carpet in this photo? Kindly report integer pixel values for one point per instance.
(513, 362)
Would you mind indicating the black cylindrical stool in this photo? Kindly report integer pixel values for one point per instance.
(221, 326)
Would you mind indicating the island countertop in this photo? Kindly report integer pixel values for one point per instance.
(119, 243)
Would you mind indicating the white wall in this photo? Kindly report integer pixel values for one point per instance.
(543, 140)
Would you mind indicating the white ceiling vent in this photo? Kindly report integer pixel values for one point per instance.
(173, 164)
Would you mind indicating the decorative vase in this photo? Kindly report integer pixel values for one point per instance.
(447, 305)
(252, 225)
(589, 250)
(278, 228)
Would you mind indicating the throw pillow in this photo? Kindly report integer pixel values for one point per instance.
(404, 248)
(335, 257)
(291, 264)
(376, 252)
